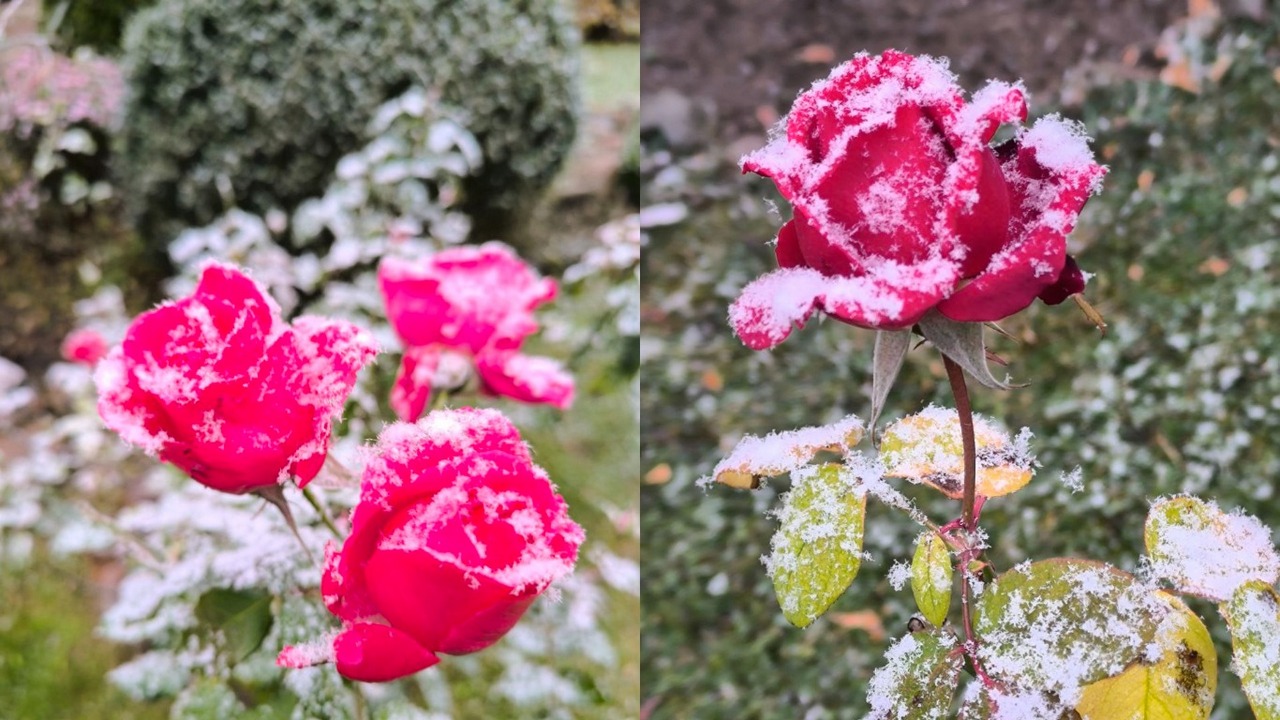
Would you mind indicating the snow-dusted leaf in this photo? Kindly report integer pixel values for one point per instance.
(931, 575)
(241, 617)
(782, 452)
(818, 547)
(927, 448)
(1205, 551)
(886, 362)
(1060, 624)
(962, 342)
(918, 680)
(1178, 686)
(992, 703)
(1253, 613)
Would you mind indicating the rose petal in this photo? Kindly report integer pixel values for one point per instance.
(412, 387)
(1050, 177)
(1071, 281)
(377, 653)
(526, 378)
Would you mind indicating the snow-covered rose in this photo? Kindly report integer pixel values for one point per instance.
(455, 534)
(217, 384)
(85, 346)
(477, 301)
(900, 203)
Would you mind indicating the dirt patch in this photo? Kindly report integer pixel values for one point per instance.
(750, 58)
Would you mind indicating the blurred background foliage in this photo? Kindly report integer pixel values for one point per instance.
(551, 93)
(1179, 395)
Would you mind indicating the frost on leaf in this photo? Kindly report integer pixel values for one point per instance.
(1253, 613)
(1205, 551)
(931, 575)
(783, 452)
(918, 680)
(926, 448)
(1178, 686)
(818, 546)
(1058, 625)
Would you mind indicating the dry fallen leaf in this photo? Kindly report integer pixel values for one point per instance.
(1237, 197)
(1145, 178)
(713, 380)
(864, 620)
(817, 54)
(659, 474)
(1214, 266)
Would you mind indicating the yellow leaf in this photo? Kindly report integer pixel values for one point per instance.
(1178, 686)
(926, 448)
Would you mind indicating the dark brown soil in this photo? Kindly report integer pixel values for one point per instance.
(751, 57)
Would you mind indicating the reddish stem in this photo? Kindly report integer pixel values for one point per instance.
(968, 516)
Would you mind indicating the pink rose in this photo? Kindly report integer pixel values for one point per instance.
(455, 534)
(217, 384)
(901, 205)
(84, 346)
(477, 302)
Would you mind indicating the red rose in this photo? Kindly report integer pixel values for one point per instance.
(455, 534)
(901, 205)
(474, 301)
(217, 384)
(84, 346)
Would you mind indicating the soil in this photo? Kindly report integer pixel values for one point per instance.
(750, 58)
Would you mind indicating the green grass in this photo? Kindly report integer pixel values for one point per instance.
(52, 666)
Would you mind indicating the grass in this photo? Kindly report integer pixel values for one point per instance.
(52, 666)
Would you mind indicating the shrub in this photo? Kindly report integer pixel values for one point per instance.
(252, 103)
(98, 23)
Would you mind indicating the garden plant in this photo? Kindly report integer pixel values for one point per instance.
(929, 218)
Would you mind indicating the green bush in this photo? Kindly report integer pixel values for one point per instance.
(251, 103)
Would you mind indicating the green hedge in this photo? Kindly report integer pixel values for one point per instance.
(252, 102)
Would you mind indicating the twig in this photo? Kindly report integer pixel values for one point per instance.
(322, 512)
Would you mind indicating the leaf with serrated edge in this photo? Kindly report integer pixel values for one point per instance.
(783, 452)
(927, 448)
(1205, 551)
(1058, 625)
(962, 342)
(242, 616)
(918, 679)
(1179, 686)
(886, 363)
(931, 576)
(1253, 614)
(818, 547)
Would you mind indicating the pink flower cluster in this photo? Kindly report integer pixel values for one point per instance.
(901, 205)
(474, 303)
(217, 384)
(39, 88)
(85, 346)
(456, 533)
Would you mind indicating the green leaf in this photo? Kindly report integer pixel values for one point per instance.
(242, 618)
(818, 547)
(886, 363)
(1179, 686)
(1058, 625)
(918, 680)
(1205, 551)
(1253, 614)
(931, 576)
(962, 342)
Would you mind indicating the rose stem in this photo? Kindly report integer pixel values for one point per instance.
(955, 374)
(438, 399)
(322, 512)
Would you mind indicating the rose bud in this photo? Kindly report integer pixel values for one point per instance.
(901, 205)
(84, 346)
(473, 302)
(456, 533)
(217, 384)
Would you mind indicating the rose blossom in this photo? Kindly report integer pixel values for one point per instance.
(901, 205)
(476, 302)
(217, 384)
(85, 346)
(455, 534)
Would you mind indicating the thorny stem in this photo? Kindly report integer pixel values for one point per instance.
(322, 512)
(968, 518)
